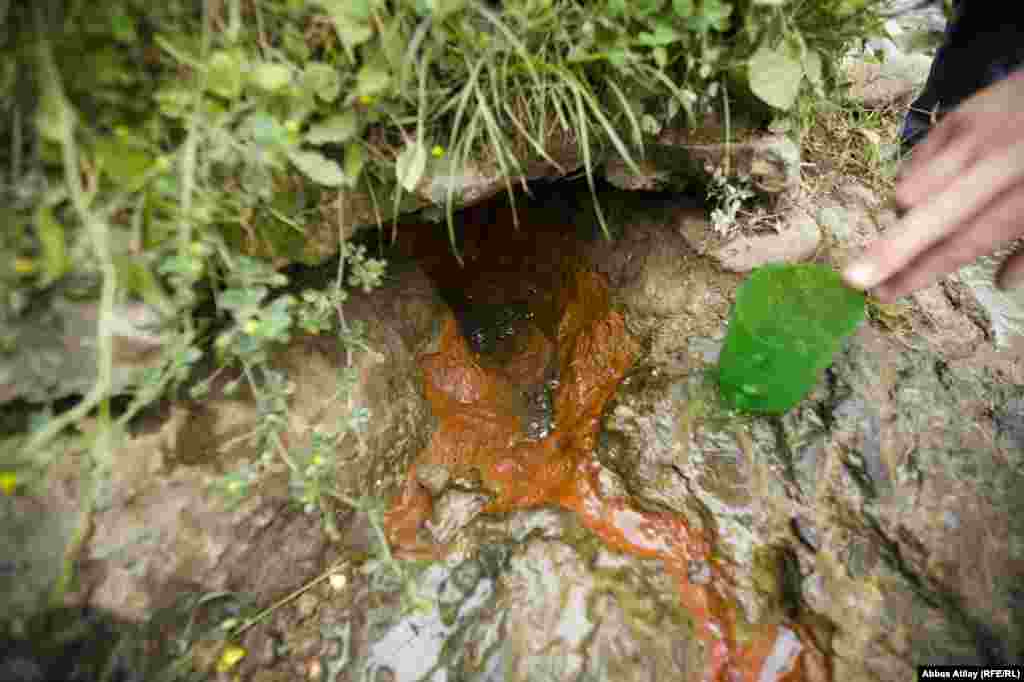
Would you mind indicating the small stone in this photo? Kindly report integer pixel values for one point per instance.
(857, 194)
(452, 512)
(611, 484)
(384, 674)
(876, 85)
(707, 349)
(306, 605)
(1004, 309)
(314, 669)
(797, 240)
(433, 477)
(950, 330)
(698, 572)
(806, 531)
(543, 522)
(624, 412)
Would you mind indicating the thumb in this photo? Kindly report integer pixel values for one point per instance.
(1011, 272)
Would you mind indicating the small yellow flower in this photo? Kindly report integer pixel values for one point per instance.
(24, 266)
(292, 126)
(234, 486)
(230, 657)
(437, 151)
(251, 327)
(366, 100)
(163, 163)
(8, 482)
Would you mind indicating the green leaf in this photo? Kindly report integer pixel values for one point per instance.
(323, 80)
(650, 125)
(683, 8)
(410, 165)
(52, 114)
(122, 26)
(243, 301)
(717, 13)
(645, 8)
(442, 8)
(660, 55)
(394, 41)
(270, 76)
(355, 158)
(50, 233)
(713, 14)
(124, 164)
(663, 34)
(265, 130)
(136, 278)
(355, 9)
(352, 34)
(224, 75)
(317, 167)
(774, 77)
(351, 21)
(337, 128)
(373, 79)
(813, 67)
(849, 7)
(174, 101)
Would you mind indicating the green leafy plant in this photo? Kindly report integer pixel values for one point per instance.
(181, 152)
(727, 197)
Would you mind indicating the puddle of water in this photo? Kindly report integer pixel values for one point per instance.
(413, 649)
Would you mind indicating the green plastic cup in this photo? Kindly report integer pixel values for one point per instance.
(786, 326)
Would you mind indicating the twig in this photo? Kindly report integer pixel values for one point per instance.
(99, 234)
(291, 597)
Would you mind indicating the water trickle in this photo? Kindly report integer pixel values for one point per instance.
(525, 368)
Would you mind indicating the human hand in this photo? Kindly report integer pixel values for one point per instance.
(964, 191)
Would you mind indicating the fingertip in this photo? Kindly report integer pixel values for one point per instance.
(862, 274)
(905, 192)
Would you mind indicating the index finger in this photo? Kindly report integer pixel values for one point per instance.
(926, 224)
(930, 164)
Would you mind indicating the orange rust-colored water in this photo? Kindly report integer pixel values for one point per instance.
(480, 433)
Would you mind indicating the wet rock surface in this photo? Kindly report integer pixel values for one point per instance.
(161, 530)
(535, 599)
(883, 504)
(51, 354)
(683, 159)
